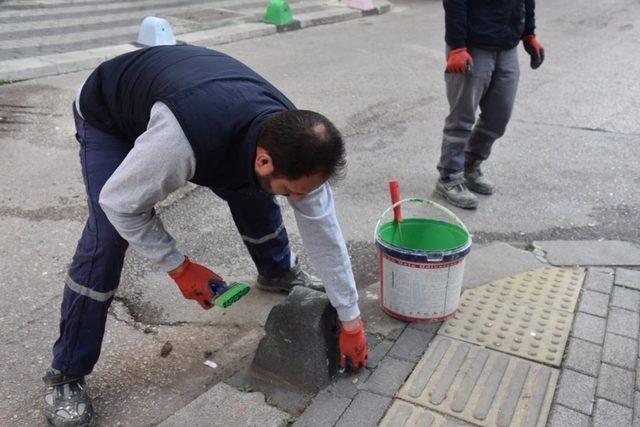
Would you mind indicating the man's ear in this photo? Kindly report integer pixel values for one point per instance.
(263, 164)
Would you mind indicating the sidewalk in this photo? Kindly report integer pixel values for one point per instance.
(55, 37)
(548, 337)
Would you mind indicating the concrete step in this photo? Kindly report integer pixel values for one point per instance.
(223, 405)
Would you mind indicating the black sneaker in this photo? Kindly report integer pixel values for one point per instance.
(294, 277)
(66, 403)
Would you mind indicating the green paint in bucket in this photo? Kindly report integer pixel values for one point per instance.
(421, 268)
(424, 235)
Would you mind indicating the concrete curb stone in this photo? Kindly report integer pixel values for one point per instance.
(599, 280)
(411, 345)
(595, 303)
(623, 322)
(325, 410)
(387, 379)
(366, 410)
(583, 357)
(628, 299)
(565, 417)
(628, 278)
(616, 385)
(620, 351)
(609, 414)
(589, 328)
(576, 391)
(590, 252)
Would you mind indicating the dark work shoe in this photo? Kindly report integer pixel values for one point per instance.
(294, 277)
(475, 179)
(455, 192)
(66, 403)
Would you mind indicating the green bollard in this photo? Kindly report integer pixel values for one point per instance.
(278, 13)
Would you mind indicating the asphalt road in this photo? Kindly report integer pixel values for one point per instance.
(567, 168)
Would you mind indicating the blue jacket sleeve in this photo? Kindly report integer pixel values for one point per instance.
(455, 20)
(529, 17)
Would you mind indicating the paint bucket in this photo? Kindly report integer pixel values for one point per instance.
(421, 264)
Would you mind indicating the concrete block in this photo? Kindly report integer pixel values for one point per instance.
(623, 322)
(620, 351)
(325, 410)
(616, 384)
(411, 345)
(565, 417)
(481, 266)
(583, 356)
(300, 346)
(286, 398)
(628, 278)
(327, 16)
(590, 252)
(589, 328)
(599, 279)
(576, 391)
(388, 377)
(378, 352)
(595, 303)
(224, 405)
(366, 410)
(228, 34)
(626, 298)
(609, 414)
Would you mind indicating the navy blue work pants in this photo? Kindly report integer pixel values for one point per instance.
(97, 264)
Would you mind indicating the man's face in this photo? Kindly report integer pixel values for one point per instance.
(296, 189)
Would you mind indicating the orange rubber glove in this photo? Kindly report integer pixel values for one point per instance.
(353, 347)
(534, 49)
(193, 281)
(459, 61)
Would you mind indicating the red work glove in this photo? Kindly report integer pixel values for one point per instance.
(193, 281)
(459, 61)
(534, 49)
(353, 347)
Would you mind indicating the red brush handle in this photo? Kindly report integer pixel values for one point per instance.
(394, 188)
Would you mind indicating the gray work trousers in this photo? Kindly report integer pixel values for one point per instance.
(492, 85)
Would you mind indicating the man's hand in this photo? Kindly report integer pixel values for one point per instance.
(193, 281)
(459, 61)
(353, 345)
(534, 49)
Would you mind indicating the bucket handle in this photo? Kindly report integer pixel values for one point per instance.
(425, 202)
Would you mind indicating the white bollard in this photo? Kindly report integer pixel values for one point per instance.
(155, 32)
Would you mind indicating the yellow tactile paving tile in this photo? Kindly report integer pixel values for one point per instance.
(546, 286)
(405, 414)
(518, 314)
(481, 386)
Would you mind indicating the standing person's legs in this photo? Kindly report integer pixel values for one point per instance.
(89, 287)
(95, 270)
(464, 92)
(495, 111)
(259, 221)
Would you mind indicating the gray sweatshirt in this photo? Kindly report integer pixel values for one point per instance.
(162, 161)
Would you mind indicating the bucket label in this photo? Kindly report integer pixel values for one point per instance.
(421, 290)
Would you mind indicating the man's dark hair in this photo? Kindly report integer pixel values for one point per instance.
(303, 143)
